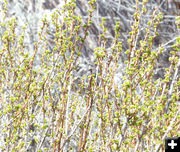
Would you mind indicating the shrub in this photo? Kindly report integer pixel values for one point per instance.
(47, 106)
